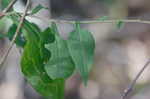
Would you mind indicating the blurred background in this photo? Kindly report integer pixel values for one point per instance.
(119, 55)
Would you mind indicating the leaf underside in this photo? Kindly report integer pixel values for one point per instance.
(81, 47)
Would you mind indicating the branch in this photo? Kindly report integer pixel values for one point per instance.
(103, 21)
(130, 87)
(93, 21)
(16, 34)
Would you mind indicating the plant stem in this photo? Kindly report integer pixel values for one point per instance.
(93, 20)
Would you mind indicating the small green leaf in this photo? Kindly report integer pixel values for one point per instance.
(20, 41)
(119, 24)
(32, 66)
(37, 9)
(60, 65)
(81, 46)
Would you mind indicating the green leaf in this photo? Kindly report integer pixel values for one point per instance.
(81, 46)
(119, 24)
(33, 60)
(33, 68)
(4, 3)
(60, 65)
(37, 9)
(20, 41)
(32, 64)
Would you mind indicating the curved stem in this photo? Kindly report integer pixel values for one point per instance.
(130, 87)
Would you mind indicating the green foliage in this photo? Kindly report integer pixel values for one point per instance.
(32, 64)
(33, 60)
(60, 65)
(4, 3)
(37, 9)
(20, 41)
(81, 47)
(48, 60)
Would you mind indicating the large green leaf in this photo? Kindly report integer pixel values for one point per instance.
(34, 57)
(81, 46)
(60, 65)
(33, 68)
(33, 64)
